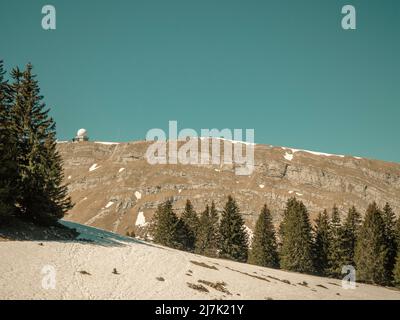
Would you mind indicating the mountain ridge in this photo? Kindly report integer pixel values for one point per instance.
(114, 187)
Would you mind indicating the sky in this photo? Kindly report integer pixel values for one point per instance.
(284, 68)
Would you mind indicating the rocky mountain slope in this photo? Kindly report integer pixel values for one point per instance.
(115, 188)
(104, 265)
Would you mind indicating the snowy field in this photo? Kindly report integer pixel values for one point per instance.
(103, 265)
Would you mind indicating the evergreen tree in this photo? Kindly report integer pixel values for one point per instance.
(389, 220)
(213, 245)
(207, 239)
(42, 196)
(321, 243)
(166, 226)
(203, 232)
(233, 236)
(396, 271)
(264, 248)
(295, 231)
(191, 225)
(336, 245)
(350, 232)
(8, 167)
(397, 234)
(207, 236)
(184, 236)
(371, 254)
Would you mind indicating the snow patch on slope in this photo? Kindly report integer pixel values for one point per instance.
(138, 195)
(229, 140)
(106, 143)
(288, 156)
(140, 220)
(314, 152)
(297, 193)
(94, 167)
(109, 204)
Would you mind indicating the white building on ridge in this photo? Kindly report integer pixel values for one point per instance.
(81, 135)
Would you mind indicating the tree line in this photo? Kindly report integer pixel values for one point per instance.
(31, 171)
(371, 245)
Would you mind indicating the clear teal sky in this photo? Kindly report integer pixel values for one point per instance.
(285, 68)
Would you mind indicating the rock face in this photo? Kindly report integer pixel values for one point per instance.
(114, 187)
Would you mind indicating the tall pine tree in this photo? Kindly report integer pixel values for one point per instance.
(8, 167)
(233, 236)
(264, 248)
(207, 238)
(397, 233)
(371, 254)
(166, 226)
(321, 243)
(296, 252)
(214, 230)
(336, 245)
(42, 196)
(191, 221)
(203, 231)
(389, 220)
(351, 228)
(396, 271)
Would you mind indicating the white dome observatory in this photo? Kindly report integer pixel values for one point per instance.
(81, 135)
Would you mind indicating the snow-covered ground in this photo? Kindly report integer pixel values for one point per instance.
(85, 270)
(289, 156)
(106, 142)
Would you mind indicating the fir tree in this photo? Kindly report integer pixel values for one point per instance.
(264, 248)
(213, 245)
(184, 236)
(336, 245)
(191, 225)
(207, 239)
(389, 220)
(396, 271)
(296, 252)
(42, 196)
(233, 236)
(321, 243)
(203, 232)
(351, 228)
(397, 234)
(166, 226)
(371, 254)
(8, 167)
